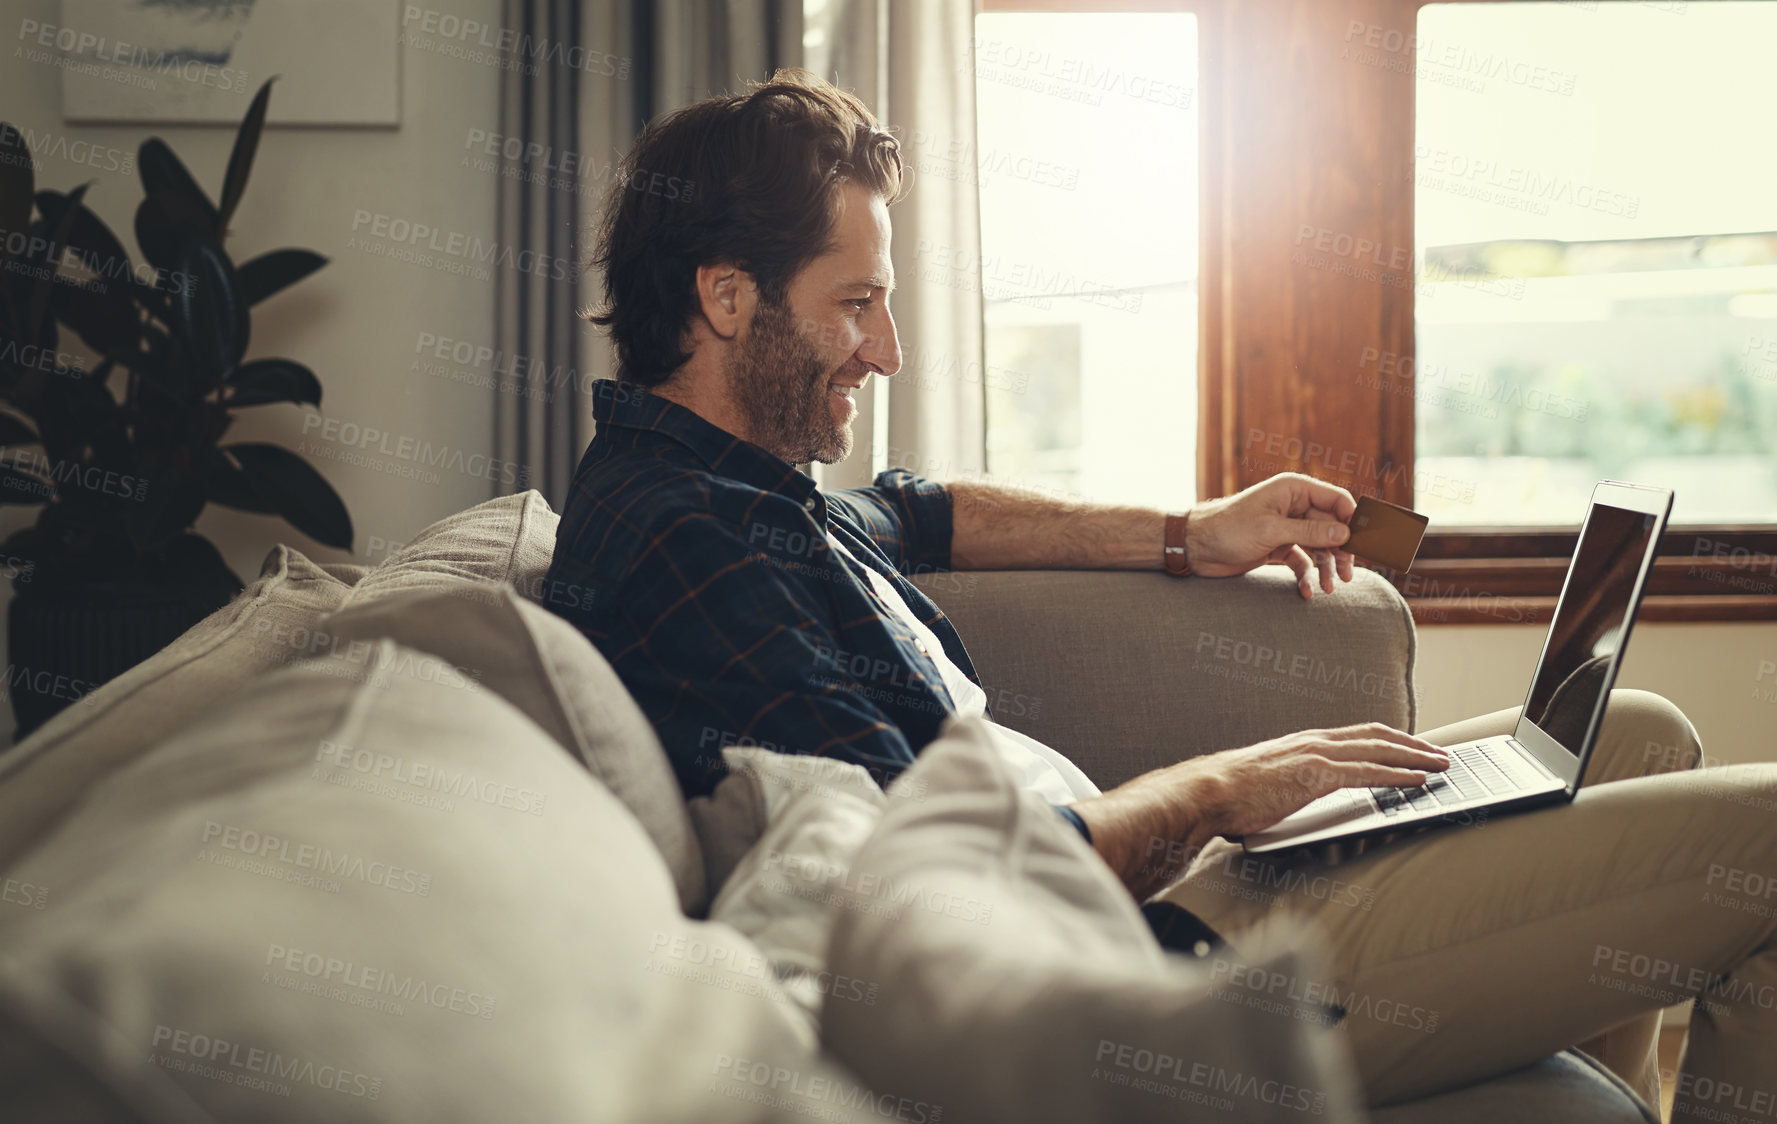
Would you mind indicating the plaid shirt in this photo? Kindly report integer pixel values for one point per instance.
(711, 588)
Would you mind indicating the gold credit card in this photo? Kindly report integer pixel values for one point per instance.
(1385, 532)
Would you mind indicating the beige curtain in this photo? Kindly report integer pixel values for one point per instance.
(538, 412)
(910, 62)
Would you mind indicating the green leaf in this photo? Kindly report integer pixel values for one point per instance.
(159, 373)
(162, 173)
(18, 176)
(240, 161)
(102, 314)
(105, 319)
(14, 431)
(269, 272)
(296, 491)
(111, 446)
(227, 485)
(190, 558)
(88, 234)
(272, 380)
(166, 223)
(51, 259)
(212, 320)
(154, 300)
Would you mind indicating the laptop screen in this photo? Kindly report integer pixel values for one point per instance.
(1590, 622)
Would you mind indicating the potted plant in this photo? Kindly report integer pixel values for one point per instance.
(120, 455)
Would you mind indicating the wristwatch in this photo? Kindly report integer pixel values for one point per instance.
(1177, 564)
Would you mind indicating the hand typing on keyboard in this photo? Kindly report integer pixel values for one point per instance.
(1474, 771)
(1240, 791)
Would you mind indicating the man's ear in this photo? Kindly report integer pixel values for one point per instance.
(726, 296)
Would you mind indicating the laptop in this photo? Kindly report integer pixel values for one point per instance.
(1542, 761)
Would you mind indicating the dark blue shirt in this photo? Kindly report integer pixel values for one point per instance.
(717, 599)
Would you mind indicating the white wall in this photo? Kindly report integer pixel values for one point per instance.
(356, 322)
(1720, 674)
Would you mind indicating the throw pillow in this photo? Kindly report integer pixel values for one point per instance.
(548, 670)
(268, 625)
(282, 940)
(505, 541)
(1018, 981)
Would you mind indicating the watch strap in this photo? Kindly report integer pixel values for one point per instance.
(1177, 563)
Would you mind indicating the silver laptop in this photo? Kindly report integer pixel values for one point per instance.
(1543, 760)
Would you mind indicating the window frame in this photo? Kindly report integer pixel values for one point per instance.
(1272, 69)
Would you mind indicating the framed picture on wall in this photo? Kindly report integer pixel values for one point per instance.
(200, 61)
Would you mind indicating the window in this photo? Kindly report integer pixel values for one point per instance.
(1087, 164)
(1376, 310)
(1598, 258)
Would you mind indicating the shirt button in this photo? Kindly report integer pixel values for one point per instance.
(921, 645)
(809, 504)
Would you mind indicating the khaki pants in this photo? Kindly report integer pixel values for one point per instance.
(1465, 952)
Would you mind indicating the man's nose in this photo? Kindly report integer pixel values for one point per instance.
(882, 350)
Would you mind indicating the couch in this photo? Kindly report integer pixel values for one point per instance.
(391, 843)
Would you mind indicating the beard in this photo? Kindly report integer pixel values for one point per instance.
(780, 384)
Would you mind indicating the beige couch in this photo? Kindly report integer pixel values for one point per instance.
(392, 844)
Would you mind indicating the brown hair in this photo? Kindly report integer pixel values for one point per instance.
(750, 178)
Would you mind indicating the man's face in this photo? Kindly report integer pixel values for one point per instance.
(796, 367)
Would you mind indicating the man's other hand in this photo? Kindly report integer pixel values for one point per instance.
(1292, 519)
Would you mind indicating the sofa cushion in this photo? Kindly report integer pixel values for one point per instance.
(235, 914)
(269, 624)
(505, 541)
(1179, 667)
(1003, 948)
(544, 666)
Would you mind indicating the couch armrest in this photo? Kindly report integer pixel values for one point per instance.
(1126, 672)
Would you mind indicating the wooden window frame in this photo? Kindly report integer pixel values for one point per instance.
(1304, 145)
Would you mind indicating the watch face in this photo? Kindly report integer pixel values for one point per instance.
(1386, 533)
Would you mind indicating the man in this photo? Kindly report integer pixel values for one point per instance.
(739, 603)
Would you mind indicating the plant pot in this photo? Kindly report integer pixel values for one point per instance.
(62, 645)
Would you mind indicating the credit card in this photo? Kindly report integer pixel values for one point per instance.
(1385, 532)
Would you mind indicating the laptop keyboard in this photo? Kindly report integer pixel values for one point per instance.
(1475, 771)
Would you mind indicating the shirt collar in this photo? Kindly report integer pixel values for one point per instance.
(628, 406)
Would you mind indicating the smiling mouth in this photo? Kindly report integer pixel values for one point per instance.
(847, 407)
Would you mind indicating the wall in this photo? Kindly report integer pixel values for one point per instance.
(1724, 676)
(356, 322)
(1721, 675)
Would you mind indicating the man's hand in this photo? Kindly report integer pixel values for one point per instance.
(1172, 812)
(1263, 783)
(1290, 518)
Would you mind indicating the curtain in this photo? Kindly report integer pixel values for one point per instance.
(538, 415)
(909, 61)
(913, 63)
